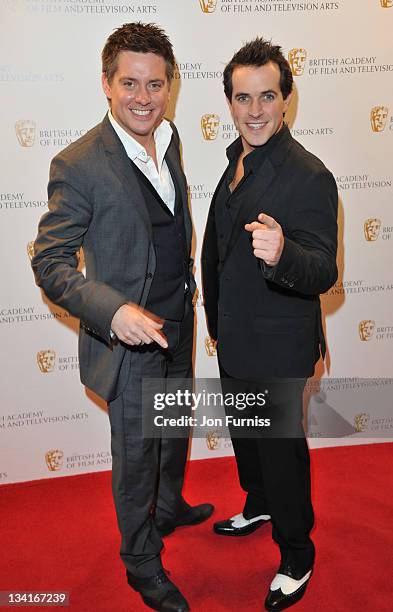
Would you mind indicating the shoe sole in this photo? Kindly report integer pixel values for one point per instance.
(295, 597)
(151, 605)
(237, 534)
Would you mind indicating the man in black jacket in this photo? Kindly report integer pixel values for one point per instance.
(269, 251)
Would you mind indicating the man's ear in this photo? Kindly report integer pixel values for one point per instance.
(287, 101)
(105, 85)
(229, 105)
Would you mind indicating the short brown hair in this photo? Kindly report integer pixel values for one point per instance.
(141, 38)
(259, 52)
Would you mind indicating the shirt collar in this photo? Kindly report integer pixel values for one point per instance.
(256, 157)
(134, 150)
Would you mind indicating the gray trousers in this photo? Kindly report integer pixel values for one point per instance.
(148, 472)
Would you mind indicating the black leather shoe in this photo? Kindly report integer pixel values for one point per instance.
(159, 593)
(239, 526)
(193, 516)
(287, 588)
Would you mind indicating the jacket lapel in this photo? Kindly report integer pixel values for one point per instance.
(261, 184)
(172, 159)
(261, 189)
(123, 168)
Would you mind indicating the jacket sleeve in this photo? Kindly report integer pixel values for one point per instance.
(61, 233)
(210, 280)
(308, 260)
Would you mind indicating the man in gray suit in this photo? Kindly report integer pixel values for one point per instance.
(120, 192)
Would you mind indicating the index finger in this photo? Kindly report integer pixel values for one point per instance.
(251, 227)
(158, 337)
(153, 317)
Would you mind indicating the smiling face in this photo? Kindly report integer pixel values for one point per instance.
(257, 104)
(138, 93)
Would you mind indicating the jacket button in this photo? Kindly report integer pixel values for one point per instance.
(149, 275)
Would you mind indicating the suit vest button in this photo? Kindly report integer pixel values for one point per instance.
(149, 275)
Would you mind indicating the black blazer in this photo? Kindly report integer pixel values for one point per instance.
(268, 321)
(95, 201)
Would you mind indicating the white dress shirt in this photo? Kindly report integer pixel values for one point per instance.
(160, 179)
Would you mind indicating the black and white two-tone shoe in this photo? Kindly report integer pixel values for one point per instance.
(287, 588)
(240, 526)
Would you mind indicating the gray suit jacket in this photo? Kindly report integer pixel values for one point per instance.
(95, 201)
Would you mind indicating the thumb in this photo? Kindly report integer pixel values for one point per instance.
(266, 220)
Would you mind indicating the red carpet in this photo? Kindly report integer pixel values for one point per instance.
(61, 534)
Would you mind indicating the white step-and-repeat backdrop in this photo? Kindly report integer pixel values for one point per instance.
(342, 58)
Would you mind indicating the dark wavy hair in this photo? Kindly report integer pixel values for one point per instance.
(259, 52)
(141, 38)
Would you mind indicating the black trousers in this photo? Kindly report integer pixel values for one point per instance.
(148, 472)
(274, 465)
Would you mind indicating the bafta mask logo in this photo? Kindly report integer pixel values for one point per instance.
(378, 118)
(46, 360)
(386, 3)
(297, 60)
(54, 460)
(25, 132)
(30, 249)
(371, 229)
(211, 347)
(361, 422)
(209, 126)
(366, 330)
(213, 440)
(208, 6)
(11, 5)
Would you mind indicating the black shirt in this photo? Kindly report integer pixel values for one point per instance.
(229, 204)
